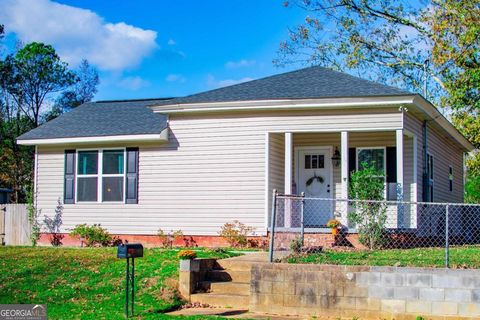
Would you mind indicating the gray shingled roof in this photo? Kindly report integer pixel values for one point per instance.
(132, 117)
(307, 83)
(107, 118)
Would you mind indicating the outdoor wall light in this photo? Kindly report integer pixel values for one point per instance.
(336, 158)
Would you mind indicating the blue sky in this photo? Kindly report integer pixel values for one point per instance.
(147, 49)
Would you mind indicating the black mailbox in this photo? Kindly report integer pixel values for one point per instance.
(130, 250)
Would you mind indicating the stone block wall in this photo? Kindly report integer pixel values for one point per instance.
(365, 292)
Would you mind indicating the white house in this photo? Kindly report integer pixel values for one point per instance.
(197, 162)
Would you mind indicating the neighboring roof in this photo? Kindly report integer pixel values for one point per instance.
(109, 118)
(307, 83)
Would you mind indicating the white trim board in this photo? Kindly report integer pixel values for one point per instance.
(161, 137)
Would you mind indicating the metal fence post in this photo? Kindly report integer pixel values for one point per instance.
(302, 221)
(272, 224)
(446, 237)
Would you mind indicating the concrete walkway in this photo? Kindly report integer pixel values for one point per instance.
(230, 313)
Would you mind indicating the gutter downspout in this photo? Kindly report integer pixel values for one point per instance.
(425, 186)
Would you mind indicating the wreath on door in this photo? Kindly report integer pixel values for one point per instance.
(319, 179)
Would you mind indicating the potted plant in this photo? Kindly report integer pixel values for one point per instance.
(187, 260)
(335, 225)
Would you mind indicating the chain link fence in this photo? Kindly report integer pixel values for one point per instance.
(378, 225)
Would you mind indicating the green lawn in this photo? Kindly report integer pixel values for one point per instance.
(460, 257)
(88, 283)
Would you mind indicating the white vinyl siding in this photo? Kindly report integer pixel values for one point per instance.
(211, 172)
(446, 153)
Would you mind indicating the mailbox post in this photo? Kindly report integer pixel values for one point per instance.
(130, 251)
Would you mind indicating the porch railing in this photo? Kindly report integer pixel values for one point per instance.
(378, 225)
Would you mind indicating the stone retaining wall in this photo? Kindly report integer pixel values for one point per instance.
(365, 292)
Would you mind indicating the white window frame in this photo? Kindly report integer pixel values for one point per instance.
(384, 158)
(358, 149)
(100, 174)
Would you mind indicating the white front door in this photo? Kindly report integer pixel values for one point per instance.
(314, 177)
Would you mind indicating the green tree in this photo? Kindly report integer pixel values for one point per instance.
(391, 41)
(37, 73)
(82, 91)
(369, 213)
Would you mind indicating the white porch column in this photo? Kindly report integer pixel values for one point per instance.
(400, 208)
(399, 145)
(344, 164)
(288, 176)
(288, 162)
(342, 207)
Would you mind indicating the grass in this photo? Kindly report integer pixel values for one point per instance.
(89, 283)
(460, 257)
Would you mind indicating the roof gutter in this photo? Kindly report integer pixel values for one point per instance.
(161, 137)
(286, 104)
(433, 114)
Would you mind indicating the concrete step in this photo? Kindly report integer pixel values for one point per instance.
(234, 265)
(225, 287)
(228, 275)
(222, 300)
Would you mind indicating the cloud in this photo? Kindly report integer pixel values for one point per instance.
(175, 78)
(171, 42)
(133, 83)
(214, 83)
(78, 33)
(239, 64)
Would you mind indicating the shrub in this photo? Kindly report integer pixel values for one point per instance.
(187, 255)
(235, 233)
(53, 225)
(333, 223)
(369, 217)
(93, 235)
(167, 239)
(296, 245)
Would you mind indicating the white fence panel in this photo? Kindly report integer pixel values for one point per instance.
(16, 225)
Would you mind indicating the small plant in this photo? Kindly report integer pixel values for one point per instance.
(33, 215)
(187, 255)
(235, 233)
(419, 318)
(93, 235)
(333, 223)
(53, 225)
(296, 245)
(167, 239)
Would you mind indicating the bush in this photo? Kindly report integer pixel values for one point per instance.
(187, 255)
(93, 235)
(235, 233)
(369, 217)
(167, 239)
(296, 245)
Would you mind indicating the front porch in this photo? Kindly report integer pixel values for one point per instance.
(319, 164)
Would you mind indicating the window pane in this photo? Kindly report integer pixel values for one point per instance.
(314, 162)
(87, 162)
(87, 189)
(373, 157)
(307, 162)
(321, 161)
(113, 162)
(113, 189)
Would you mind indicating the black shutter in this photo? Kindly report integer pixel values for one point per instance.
(69, 180)
(352, 160)
(391, 172)
(391, 165)
(131, 192)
